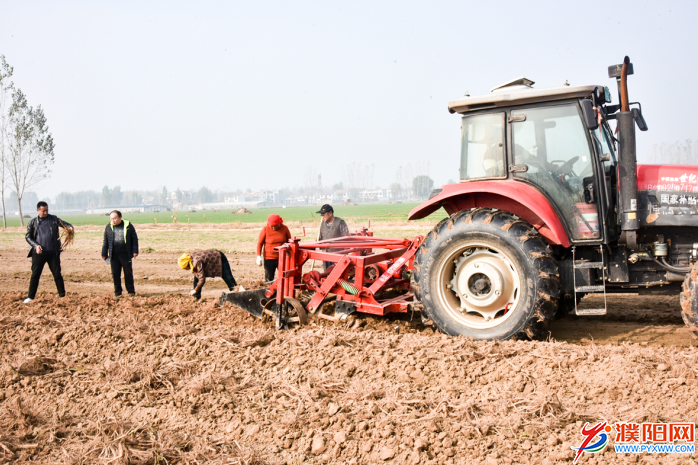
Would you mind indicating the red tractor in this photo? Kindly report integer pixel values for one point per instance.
(551, 206)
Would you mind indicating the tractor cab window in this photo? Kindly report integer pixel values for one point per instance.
(602, 140)
(552, 142)
(482, 150)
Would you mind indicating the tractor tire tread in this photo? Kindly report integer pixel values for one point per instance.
(531, 243)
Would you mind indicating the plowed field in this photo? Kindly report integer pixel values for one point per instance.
(160, 378)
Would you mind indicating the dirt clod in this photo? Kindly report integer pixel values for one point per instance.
(387, 453)
(318, 446)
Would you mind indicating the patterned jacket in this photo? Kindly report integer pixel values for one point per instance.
(206, 264)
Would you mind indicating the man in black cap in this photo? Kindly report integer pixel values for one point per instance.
(331, 227)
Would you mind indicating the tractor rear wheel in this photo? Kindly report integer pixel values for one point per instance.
(689, 301)
(487, 274)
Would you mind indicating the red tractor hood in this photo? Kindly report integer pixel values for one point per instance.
(667, 178)
(667, 195)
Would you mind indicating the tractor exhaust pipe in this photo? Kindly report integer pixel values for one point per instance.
(625, 68)
(627, 159)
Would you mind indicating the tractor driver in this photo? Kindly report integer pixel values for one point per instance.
(493, 159)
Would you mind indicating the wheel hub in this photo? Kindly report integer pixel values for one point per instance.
(479, 284)
(478, 281)
(486, 285)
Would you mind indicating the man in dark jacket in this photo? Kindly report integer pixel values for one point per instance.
(45, 241)
(331, 227)
(120, 245)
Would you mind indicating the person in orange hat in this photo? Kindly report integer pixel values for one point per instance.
(274, 234)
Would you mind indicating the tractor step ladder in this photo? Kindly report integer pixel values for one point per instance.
(589, 289)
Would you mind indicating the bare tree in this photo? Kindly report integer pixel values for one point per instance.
(403, 176)
(312, 180)
(6, 88)
(406, 174)
(421, 168)
(358, 176)
(30, 146)
(350, 175)
(367, 172)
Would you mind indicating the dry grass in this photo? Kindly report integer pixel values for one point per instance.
(17, 422)
(141, 373)
(67, 237)
(110, 440)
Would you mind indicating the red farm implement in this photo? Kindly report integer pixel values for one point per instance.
(364, 274)
(550, 206)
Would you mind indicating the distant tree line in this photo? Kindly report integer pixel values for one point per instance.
(357, 176)
(29, 201)
(115, 196)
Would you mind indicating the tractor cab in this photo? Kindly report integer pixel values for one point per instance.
(548, 138)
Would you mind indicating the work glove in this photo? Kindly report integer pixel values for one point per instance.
(259, 260)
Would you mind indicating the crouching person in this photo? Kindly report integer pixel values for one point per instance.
(207, 264)
(120, 245)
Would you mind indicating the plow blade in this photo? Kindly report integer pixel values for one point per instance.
(250, 301)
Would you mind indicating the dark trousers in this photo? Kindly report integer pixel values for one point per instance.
(227, 276)
(123, 261)
(270, 267)
(54, 264)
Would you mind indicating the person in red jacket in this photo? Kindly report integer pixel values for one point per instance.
(274, 234)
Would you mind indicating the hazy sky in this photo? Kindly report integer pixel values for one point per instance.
(253, 94)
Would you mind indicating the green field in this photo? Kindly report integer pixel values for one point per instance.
(387, 220)
(358, 213)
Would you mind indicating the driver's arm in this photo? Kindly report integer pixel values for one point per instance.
(521, 155)
(493, 161)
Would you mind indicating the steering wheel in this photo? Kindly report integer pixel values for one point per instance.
(566, 167)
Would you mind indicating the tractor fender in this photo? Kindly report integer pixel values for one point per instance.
(516, 197)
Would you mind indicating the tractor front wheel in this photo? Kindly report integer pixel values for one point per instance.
(487, 274)
(689, 301)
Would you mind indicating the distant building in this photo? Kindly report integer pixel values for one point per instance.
(265, 198)
(228, 205)
(128, 209)
(375, 195)
(234, 199)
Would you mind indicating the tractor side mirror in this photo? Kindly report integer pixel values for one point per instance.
(590, 117)
(639, 119)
